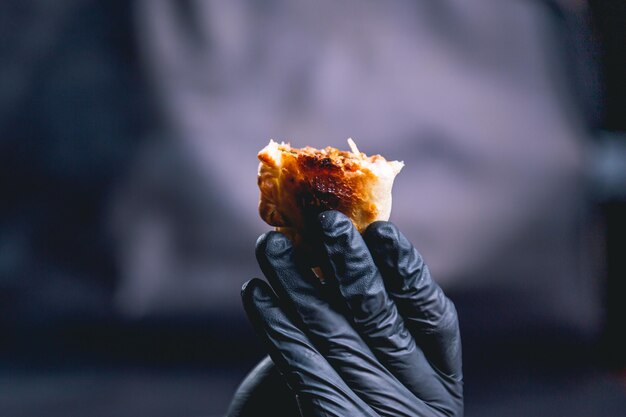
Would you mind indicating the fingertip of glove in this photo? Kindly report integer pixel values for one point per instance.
(273, 244)
(327, 218)
(245, 288)
(334, 223)
(380, 231)
(254, 290)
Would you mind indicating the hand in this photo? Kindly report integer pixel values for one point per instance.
(381, 339)
(263, 393)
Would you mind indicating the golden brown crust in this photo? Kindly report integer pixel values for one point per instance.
(297, 184)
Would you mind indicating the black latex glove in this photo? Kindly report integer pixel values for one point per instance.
(380, 340)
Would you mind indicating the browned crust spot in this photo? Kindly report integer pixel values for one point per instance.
(311, 181)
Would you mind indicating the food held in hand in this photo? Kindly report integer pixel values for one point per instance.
(298, 184)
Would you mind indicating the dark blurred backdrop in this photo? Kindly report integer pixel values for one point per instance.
(128, 141)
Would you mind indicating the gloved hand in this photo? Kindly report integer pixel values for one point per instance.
(380, 339)
(263, 393)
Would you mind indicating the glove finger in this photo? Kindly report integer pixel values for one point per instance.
(332, 332)
(319, 390)
(429, 315)
(374, 313)
(263, 392)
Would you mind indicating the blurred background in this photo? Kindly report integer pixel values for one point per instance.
(128, 198)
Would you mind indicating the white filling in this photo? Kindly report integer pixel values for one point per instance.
(385, 172)
(271, 149)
